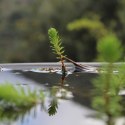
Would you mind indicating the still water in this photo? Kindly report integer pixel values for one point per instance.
(73, 99)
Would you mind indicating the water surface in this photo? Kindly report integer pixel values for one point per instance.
(73, 97)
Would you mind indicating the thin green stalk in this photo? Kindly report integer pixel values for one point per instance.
(107, 98)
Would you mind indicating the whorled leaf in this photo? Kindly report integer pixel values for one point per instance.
(109, 48)
(55, 41)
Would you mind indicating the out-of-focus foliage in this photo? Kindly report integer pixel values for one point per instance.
(24, 25)
(13, 97)
(95, 27)
(108, 84)
(109, 48)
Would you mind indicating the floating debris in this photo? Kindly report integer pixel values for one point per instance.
(5, 69)
(63, 93)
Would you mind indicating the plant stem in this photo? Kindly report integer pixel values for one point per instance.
(107, 95)
(63, 70)
(63, 66)
(76, 64)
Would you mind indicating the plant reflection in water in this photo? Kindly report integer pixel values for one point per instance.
(11, 111)
(8, 114)
(57, 93)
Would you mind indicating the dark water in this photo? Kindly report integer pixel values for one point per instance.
(74, 106)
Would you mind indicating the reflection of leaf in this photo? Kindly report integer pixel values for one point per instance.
(11, 114)
(53, 107)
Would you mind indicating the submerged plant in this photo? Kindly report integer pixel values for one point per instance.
(108, 84)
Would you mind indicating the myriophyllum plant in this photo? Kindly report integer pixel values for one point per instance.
(109, 49)
(57, 47)
(106, 99)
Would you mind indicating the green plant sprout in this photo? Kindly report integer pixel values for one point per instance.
(58, 49)
(108, 83)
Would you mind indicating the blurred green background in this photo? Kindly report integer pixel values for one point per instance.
(81, 23)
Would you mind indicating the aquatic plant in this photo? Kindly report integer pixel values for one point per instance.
(57, 47)
(93, 25)
(108, 83)
(109, 49)
(16, 100)
(17, 97)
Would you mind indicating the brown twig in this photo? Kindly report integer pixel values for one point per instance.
(76, 64)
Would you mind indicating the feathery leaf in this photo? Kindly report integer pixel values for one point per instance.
(55, 41)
